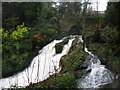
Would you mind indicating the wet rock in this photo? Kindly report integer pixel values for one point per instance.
(95, 60)
(59, 46)
(76, 42)
(88, 71)
(88, 57)
(78, 74)
(83, 66)
(86, 62)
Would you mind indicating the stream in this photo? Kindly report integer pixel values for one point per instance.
(46, 63)
(97, 75)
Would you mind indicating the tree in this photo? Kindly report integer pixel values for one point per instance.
(113, 13)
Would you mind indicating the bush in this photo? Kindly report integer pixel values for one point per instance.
(15, 42)
(109, 34)
(51, 31)
(53, 19)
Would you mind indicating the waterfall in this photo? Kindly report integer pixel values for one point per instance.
(42, 66)
(46, 63)
(97, 76)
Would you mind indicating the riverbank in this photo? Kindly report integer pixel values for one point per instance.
(104, 44)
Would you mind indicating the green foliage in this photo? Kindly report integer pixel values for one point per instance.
(19, 33)
(53, 19)
(4, 33)
(113, 13)
(15, 43)
(77, 64)
(15, 34)
(66, 80)
(109, 34)
(18, 39)
(13, 21)
(89, 32)
(51, 31)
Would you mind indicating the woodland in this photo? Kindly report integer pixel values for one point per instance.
(29, 26)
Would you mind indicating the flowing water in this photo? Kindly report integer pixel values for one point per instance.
(42, 66)
(97, 76)
(46, 63)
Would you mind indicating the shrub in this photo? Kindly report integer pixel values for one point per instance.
(13, 45)
(53, 19)
(19, 33)
(51, 31)
(109, 34)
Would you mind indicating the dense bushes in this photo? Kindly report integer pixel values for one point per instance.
(109, 34)
(17, 45)
(20, 43)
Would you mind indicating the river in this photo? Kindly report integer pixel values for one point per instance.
(46, 63)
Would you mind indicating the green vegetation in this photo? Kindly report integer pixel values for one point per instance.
(103, 40)
(104, 44)
(27, 27)
(74, 59)
(13, 46)
(66, 80)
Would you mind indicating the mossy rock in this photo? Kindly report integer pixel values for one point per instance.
(75, 57)
(75, 43)
(59, 46)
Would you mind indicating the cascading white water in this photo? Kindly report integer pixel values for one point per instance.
(98, 75)
(46, 63)
(42, 66)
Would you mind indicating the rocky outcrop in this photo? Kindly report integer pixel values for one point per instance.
(74, 59)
